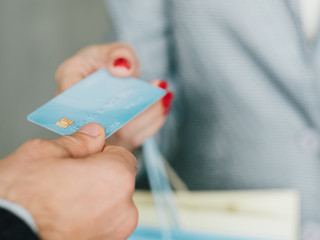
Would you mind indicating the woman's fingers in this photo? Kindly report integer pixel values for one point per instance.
(122, 61)
(127, 135)
(146, 124)
(119, 58)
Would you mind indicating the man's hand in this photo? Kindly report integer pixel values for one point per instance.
(121, 61)
(73, 186)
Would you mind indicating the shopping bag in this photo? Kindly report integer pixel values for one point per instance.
(232, 215)
(223, 215)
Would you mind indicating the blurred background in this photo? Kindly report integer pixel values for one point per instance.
(35, 37)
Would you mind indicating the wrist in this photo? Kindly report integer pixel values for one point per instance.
(19, 212)
(15, 197)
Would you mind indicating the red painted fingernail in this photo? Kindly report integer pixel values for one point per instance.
(163, 84)
(166, 102)
(122, 62)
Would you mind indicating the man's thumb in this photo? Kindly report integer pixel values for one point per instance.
(88, 140)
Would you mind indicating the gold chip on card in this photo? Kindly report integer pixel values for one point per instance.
(64, 123)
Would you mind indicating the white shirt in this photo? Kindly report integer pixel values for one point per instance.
(20, 212)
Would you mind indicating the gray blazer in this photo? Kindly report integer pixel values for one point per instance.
(247, 108)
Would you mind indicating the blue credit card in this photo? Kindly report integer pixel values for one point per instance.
(101, 98)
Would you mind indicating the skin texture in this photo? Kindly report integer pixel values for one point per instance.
(121, 61)
(75, 187)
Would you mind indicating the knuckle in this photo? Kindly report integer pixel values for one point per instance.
(36, 144)
(115, 148)
(74, 146)
(133, 217)
(60, 76)
(37, 147)
(120, 150)
(129, 187)
(135, 210)
(125, 156)
(129, 221)
(134, 164)
(131, 160)
(60, 72)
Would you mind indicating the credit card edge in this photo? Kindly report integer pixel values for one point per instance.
(137, 114)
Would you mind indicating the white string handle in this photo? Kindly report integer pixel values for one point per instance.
(160, 188)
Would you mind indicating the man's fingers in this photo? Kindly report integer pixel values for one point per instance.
(120, 163)
(122, 155)
(87, 141)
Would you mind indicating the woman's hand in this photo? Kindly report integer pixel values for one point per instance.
(121, 61)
